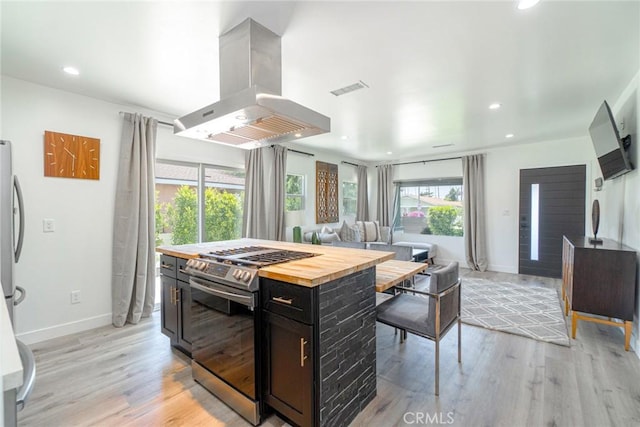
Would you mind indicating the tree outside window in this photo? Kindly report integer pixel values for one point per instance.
(349, 198)
(295, 188)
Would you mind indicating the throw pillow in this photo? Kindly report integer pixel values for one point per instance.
(349, 234)
(369, 230)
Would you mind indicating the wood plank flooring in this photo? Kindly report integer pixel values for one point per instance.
(131, 377)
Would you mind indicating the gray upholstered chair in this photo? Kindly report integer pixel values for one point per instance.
(403, 253)
(431, 317)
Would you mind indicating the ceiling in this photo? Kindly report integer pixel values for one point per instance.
(432, 68)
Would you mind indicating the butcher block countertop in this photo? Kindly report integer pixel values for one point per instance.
(330, 264)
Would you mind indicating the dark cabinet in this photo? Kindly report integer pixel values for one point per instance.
(176, 302)
(289, 363)
(599, 280)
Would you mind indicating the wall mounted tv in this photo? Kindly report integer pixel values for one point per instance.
(612, 151)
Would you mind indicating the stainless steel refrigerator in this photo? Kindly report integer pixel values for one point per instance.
(11, 238)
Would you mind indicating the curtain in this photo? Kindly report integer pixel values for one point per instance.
(385, 194)
(133, 266)
(280, 191)
(254, 214)
(362, 201)
(474, 225)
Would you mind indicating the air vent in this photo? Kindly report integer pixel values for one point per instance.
(350, 88)
(441, 145)
(262, 129)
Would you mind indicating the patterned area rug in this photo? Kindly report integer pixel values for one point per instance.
(531, 311)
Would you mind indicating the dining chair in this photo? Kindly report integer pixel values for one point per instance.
(427, 314)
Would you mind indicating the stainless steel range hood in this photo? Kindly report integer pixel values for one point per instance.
(252, 112)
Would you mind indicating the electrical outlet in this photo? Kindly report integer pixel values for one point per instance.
(75, 297)
(48, 225)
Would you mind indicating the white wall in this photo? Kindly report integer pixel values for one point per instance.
(77, 256)
(306, 165)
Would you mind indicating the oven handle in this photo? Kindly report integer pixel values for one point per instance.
(247, 300)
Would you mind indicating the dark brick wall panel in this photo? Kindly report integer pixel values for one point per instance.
(347, 347)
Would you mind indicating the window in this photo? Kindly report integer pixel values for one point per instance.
(431, 207)
(295, 193)
(197, 202)
(349, 198)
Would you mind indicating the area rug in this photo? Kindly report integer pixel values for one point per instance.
(531, 311)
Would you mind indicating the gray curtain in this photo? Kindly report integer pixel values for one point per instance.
(362, 201)
(254, 214)
(474, 225)
(133, 266)
(280, 191)
(385, 194)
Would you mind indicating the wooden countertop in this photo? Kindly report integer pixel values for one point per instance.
(392, 272)
(331, 262)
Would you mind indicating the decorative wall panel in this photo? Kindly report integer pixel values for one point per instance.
(326, 193)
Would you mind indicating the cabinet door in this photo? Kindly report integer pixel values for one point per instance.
(289, 368)
(184, 324)
(169, 308)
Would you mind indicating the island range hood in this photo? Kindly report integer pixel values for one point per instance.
(252, 113)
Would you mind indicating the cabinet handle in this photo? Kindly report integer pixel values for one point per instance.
(283, 300)
(172, 296)
(163, 265)
(302, 356)
(176, 297)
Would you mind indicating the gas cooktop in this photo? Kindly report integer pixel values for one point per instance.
(256, 256)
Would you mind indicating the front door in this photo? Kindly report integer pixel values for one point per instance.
(552, 204)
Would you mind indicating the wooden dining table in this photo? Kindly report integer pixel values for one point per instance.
(391, 273)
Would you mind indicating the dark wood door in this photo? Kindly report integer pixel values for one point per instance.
(184, 316)
(552, 204)
(169, 309)
(289, 368)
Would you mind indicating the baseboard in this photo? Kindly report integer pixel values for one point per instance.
(502, 268)
(56, 331)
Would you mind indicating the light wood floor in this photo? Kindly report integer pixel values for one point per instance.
(131, 376)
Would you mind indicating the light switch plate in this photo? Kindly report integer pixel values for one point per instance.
(48, 226)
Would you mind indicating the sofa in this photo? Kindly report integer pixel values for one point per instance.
(368, 232)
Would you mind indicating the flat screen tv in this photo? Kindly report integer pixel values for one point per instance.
(611, 150)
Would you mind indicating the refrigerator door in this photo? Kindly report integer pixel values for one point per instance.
(7, 250)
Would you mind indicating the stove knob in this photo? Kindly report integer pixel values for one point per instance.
(246, 276)
(189, 262)
(237, 274)
(202, 265)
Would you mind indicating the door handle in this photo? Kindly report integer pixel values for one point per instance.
(18, 250)
(302, 356)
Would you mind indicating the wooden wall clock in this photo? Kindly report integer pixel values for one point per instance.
(71, 156)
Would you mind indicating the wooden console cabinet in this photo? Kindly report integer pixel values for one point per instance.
(598, 280)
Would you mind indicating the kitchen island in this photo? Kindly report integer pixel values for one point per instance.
(317, 329)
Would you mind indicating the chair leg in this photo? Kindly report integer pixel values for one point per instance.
(437, 368)
(459, 341)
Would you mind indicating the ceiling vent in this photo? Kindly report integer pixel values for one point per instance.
(350, 88)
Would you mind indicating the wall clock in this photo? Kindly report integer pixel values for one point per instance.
(71, 156)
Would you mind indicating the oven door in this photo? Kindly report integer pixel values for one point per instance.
(224, 338)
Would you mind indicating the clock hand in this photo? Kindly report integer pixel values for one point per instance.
(72, 155)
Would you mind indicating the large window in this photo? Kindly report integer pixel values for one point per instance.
(349, 198)
(295, 193)
(197, 203)
(431, 207)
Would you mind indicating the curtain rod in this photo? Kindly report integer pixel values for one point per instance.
(297, 152)
(159, 121)
(425, 161)
(349, 163)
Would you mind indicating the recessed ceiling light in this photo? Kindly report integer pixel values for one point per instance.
(298, 135)
(389, 152)
(71, 70)
(526, 4)
(509, 135)
(495, 106)
(344, 137)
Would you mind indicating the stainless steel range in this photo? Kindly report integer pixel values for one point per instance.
(226, 325)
